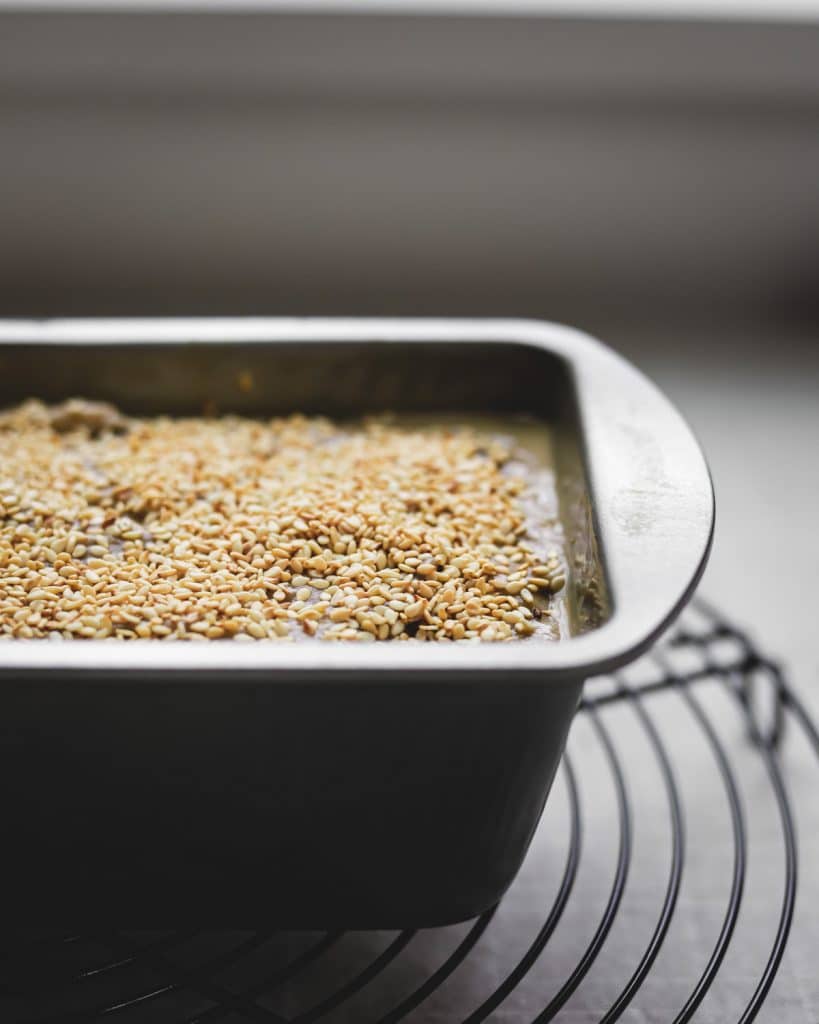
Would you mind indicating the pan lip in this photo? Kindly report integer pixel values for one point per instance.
(650, 486)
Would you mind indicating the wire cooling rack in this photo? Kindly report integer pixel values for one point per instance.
(661, 886)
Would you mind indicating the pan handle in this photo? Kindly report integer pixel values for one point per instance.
(652, 492)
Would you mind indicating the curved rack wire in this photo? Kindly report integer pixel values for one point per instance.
(189, 977)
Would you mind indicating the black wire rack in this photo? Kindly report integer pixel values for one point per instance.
(661, 884)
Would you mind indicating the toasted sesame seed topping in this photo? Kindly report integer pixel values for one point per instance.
(211, 528)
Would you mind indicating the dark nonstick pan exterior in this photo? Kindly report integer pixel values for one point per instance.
(361, 805)
(322, 785)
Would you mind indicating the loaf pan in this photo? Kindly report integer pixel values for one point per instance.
(318, 785)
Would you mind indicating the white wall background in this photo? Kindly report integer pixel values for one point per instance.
(582, 170)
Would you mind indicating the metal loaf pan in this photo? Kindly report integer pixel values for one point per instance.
(314, 784)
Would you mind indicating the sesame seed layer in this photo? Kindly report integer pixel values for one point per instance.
(230, 527)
